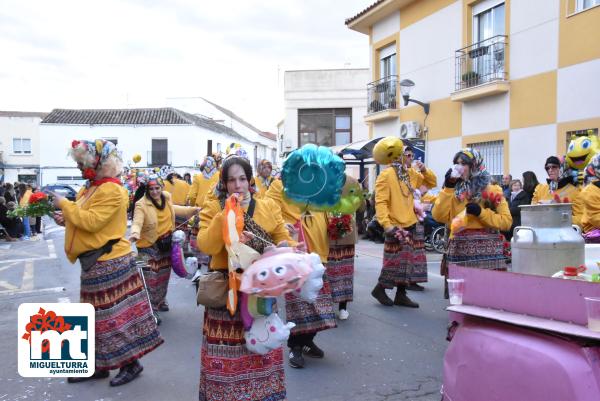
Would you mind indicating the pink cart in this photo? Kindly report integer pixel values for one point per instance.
(520, 337)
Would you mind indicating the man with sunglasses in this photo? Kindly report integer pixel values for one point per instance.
(559, 185)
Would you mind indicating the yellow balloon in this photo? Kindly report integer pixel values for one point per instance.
(136, 158)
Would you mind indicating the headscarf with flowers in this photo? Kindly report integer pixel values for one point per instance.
(98, 160)
(209, 167)
(262, 166)
(479, 177)
(402, 172)
(592, 171)
(276, 172)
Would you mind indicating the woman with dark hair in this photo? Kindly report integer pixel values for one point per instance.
(530, 183)
(10, 194)
(95, 227)
(187, 177)
(229, 371)
(480, 244)
(153, 224)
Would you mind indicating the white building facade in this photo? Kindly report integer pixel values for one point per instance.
(323, 107)
(20, 146)
(161, 136)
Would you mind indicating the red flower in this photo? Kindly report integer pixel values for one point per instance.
(74, 144)
(37, 197)
(484, 195)
(89, 174)
(556, 198)
(566, 200)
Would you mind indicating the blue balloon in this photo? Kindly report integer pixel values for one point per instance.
(313, 176)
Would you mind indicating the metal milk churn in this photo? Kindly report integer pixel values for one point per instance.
(547, 241)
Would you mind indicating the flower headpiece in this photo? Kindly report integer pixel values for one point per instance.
(92, 155)
(154, 179)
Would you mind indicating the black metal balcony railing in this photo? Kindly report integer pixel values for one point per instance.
(381, 94)
(158, 157)
(480, 63)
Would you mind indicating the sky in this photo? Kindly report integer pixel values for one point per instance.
(138, 53)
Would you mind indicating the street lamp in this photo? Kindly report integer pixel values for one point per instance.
(405, 87)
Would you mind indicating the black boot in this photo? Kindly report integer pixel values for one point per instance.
(402, 300)
(127, 374)
(380, 295)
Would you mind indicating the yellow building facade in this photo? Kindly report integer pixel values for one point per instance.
(514, 78)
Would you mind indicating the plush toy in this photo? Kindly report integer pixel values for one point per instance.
(314, 283)
(579, 153)
(267, 333)
(177, 260)
(418, 206)
(352, 197)
(191, 266)
(278, 271)
(387, 150)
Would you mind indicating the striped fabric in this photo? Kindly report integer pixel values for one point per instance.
(404, 262)
(311, 317)
(157, 273)
(483, 248)
(125, 327)
(340, 271)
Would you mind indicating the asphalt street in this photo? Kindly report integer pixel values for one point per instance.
(379, 353)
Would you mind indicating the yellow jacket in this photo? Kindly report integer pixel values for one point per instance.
(447, 207)
(590, 199)
(261, 188)
(393, 199)
(179, 191)
(200, 187)
(210, 237)
(314, 224)
(542, 193)
(25, 198)
(98, 215)
(146, 225)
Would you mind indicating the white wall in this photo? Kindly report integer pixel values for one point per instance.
(533, 37)
(386, 27)
(389, 127)
(439, 156)
(186, 144)
(578, 91)
(19, 127)
(487, 114)
(529, 149)
(325, 89)
(428, 59)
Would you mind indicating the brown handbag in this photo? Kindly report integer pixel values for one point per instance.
(212, 289)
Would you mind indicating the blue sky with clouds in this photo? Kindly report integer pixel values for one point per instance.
(137, 53)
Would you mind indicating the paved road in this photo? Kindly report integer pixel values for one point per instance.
(380, 353)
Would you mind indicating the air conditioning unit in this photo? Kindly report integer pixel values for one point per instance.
(410, 130)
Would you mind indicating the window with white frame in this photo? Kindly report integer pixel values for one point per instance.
(387, 61)
(493, 156)
(488, 31)
(581, 5)
(22, 146)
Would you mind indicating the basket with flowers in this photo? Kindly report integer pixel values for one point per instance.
(339, 226)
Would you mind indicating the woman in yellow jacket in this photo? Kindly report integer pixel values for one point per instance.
(229, 371)
(559, 183)
(480, 243)
(263, 179)
(95, 234)
(404, 260)
(153, 224)
(310, 318)
(590, 199)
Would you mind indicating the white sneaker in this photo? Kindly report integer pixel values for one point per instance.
(344, 314)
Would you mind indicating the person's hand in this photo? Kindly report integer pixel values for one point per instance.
(133, 238)
(301, 247)
(449, 181)
(246, 236)
(59, 218)
(291, 229)
(56, 198)
(473, 209)
(420, 166)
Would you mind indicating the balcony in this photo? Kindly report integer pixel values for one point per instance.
(480, 69)
(381, 99)
(157, 158)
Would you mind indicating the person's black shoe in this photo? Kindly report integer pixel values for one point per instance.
(401, 299)
(415, 287)
(379, 294)
(127, 374)
(164, 307)
(313, 351)
(296, 359)
(98, 374)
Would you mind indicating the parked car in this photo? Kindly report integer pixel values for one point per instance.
(69, 191)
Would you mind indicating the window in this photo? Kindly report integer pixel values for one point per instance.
(160, 153)
(115, 141)
(487, 54)
(581, 5)
(209, 147)
(218, 147)
(21, 146)
(387, 61)
(325, 127)
(493, 156)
